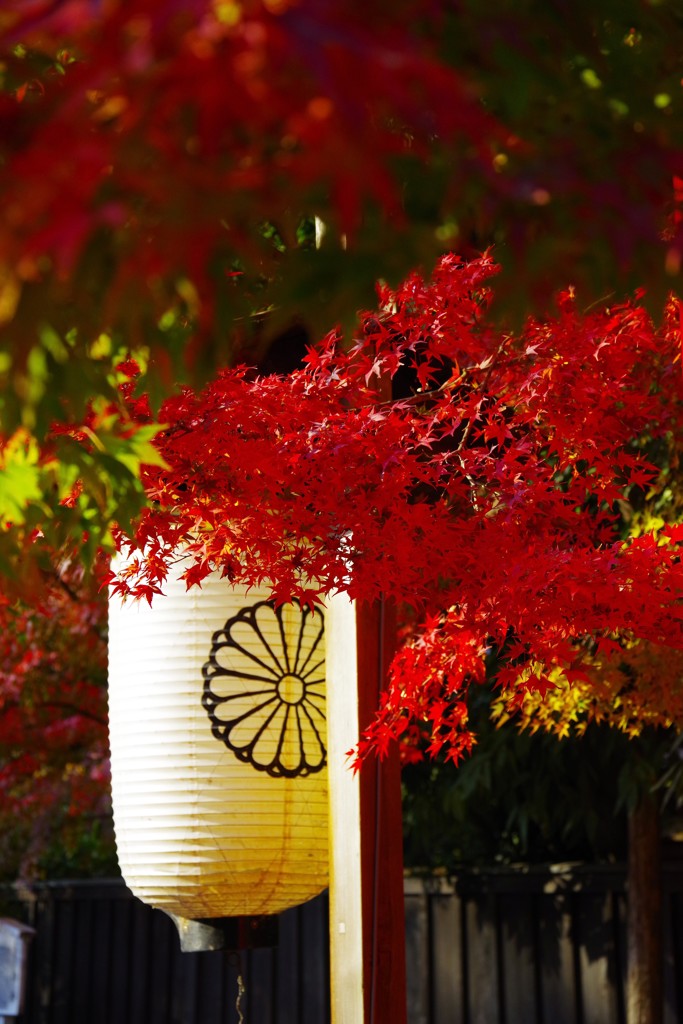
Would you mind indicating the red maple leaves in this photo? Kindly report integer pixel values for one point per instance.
(53, 736)
(503, 492)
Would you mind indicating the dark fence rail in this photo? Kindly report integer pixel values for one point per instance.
(535, 946)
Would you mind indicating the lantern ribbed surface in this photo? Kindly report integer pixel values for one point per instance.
(217, 736)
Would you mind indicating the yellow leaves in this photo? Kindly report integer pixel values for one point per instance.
(646, 522)
(101, 347)
(639, 685)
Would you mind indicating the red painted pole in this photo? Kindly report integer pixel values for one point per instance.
(381, 824)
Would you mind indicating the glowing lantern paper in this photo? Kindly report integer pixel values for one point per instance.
(217, 733)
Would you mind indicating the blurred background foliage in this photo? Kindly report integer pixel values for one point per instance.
(533, 798)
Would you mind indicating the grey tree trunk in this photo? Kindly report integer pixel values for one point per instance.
(644, 989)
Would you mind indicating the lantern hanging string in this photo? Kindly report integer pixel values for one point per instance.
(236, 960)
(240, 993)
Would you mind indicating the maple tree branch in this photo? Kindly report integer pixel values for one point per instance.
(52, 575)
(420, 396)
(81, 712)
(64, 705)
(470, 423)
(56, 577)
(489, 370)
(451, 384)
(598, 302)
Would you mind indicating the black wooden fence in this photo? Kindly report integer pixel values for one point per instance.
(535, 946)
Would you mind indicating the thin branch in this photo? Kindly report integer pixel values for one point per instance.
(603, 298)
(66, 706)
(489, 370)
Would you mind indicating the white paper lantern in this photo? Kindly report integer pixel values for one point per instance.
(217, 735)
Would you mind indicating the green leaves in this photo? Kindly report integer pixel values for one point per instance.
(21, 478)
(66, 496)
(132, 451)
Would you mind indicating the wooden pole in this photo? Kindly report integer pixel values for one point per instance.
(367, 923)
(644, 987)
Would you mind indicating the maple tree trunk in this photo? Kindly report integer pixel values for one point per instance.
(644, 993)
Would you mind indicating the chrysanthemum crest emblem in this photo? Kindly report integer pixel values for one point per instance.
(264, 688)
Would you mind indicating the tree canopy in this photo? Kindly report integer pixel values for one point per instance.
(521, 496)
(161, 159)
(505, 467)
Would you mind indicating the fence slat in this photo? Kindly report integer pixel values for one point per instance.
(597, 960)
(261, 992)
(518, 954)
(44, 961)
(101, 955)
(482, 960)
(559, 996)
(119, 967)
(288, 979)
(447, 966)
(417, 956)
(138, 958)
(673, 1009)
(159, 965)
(314, 962)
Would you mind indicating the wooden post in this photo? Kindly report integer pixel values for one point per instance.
(644, 988)
(367, 923)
